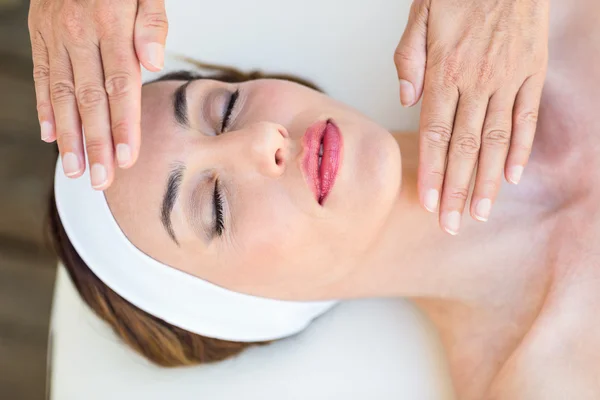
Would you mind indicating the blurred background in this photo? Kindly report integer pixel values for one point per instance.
(27, 265)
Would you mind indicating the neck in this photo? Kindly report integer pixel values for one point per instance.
(415, 258)
(486, 285)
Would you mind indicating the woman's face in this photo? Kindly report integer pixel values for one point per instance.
(237, 206)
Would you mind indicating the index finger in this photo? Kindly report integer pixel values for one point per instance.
(123, 85)
(436, 125)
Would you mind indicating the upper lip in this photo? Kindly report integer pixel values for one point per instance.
(320, 176)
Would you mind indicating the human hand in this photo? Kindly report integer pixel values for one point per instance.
(481, 66)
(86, 57)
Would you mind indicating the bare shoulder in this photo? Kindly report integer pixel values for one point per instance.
(559, 358)
(567, 141)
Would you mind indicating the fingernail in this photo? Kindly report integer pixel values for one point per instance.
(431, 200)
(483, 209)
(123, 155)
(71, 165)
(156, 54)
(407, 93)
(451, 222)
(46, 128)
(98, 176)
(514, 174)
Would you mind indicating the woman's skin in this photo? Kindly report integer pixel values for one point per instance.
(514, 299)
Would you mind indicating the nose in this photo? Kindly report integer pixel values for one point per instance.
(264, 145)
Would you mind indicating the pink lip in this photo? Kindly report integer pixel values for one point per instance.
(321, 180)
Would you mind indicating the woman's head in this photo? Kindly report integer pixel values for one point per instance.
(275, 223)
(233, 206)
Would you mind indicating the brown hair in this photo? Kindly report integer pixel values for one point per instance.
(152, 337)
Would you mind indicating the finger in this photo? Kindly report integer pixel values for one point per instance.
(124, 88)
(411, 54)
(462, 157)
(66, 115)
(151, 27)
(41, 79)
(495, 141)
(437, 121)
(525, 116)
(93, 110)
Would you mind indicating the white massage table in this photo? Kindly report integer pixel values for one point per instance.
(367, 349)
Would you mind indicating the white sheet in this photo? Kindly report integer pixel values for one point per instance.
(368, 349)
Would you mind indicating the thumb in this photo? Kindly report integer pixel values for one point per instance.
(411, 54)
(151, 26)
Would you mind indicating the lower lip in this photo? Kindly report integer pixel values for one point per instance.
(322, 178)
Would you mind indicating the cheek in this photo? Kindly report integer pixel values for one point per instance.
(269, 237)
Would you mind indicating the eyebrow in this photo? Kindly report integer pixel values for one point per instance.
(170, 197)
(176, 174)
(180, 105)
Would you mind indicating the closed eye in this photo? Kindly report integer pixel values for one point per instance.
(219, 225)
(230, 106)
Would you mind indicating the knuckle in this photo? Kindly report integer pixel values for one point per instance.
(437, 174)
(67, 139)
(118, 85)
(41, 73)
(527, 117)
(405, 55)
(43, 108)
(438, 134)
(466, 145)
(96, 146)
(89, 97)
(62, 91)
(489, 185)
(155, 20)
(120, 129)
(497, 137)
(461, 194)
(521, 147)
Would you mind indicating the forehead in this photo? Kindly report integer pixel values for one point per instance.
(157, 100)
(136, 194)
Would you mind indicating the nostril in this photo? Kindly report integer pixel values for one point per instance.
(278, 158)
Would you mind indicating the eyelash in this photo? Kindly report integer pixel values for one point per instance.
(218, 196)
(218, 200)
(230, 106)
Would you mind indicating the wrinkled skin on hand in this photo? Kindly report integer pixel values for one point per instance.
(479, 66)
(86, 57)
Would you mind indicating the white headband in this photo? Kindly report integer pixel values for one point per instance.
(178, 298)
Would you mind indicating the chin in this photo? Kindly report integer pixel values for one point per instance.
(376, 181)
(386, 184)
(388, 171)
